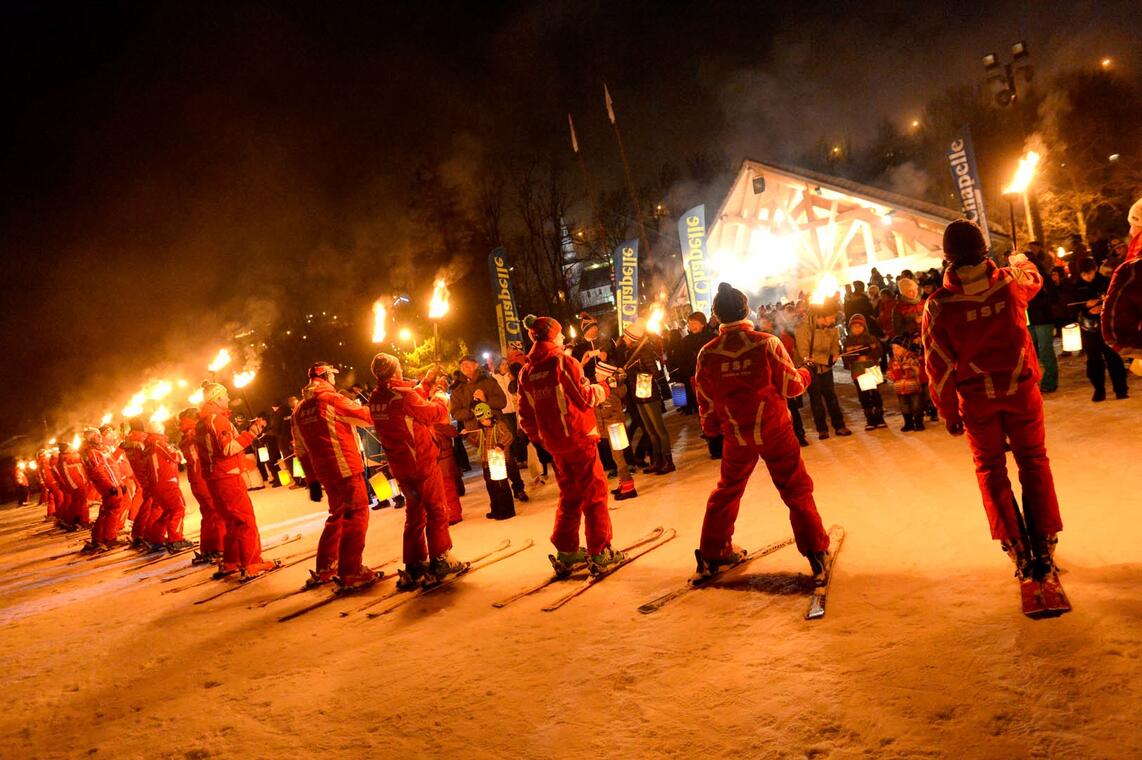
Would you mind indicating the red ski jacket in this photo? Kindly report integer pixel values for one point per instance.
(186, 445)
(404, 418)
(135, 448)
(164, 459)
(46, 464)
(976, 341)
(100, 472)
(323, 438)
(1122, 311)
(556, 401)
(220, 445)
(743, 378)
(72, 475)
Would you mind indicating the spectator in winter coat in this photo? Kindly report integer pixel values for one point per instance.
(591, 347)
(862, 352)
(1041, 317)
(819, 347)
(908, 309)
(493, 436)
(786, 325)
(1122, 312)
(475, 386)
(640, 357)
(885, 309)
(859, 303)
(905, 371)
(610, 412)
(1090, 291)
(698, 334)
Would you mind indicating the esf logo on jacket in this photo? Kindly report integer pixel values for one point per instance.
(985, 311)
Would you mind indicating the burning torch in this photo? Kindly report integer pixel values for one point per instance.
(1020, 185)
(241, 380)
(437, 308)
(379, 314)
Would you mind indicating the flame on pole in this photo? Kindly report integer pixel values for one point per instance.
(220, 361)
(196, 398)
(75, 441)
(438, 306)
(105, 419)
(161, 415)
(379, 315)
(135, 406)
(826, 289)
(1023, 174)
(654, 321)
(159, 390)
(244, 378)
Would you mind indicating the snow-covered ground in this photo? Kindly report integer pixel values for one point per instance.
(924, 651)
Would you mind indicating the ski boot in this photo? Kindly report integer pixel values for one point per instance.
(1020, 556)
(206, 558)
(91, 547)
(1043, 548)
(224, 571)
(444, 567)
(320, 577)
(818, 562)
(174, 547)
(708, 568)
(357, 581)
(605, 561)
(153, 548)
(566, 563)
(250, 572)
(411, 576)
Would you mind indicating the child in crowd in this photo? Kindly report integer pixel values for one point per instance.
(494, 435)
(906, 374)
(862, 350)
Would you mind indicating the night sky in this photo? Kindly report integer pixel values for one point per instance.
(170, 167)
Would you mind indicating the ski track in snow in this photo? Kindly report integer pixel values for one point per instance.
(923, 653)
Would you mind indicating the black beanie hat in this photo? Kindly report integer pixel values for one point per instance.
(964, 243)
(730, 304)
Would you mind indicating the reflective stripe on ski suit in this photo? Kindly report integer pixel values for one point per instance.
(220, 450)
(212, 530)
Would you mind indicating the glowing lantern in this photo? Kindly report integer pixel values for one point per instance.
(1136, 367)
(643, 385)
(1061, 252)
(497, 464)
(284, 478)
(382, 488)
(654, 321)
(242, 379)
(298, 472)
(379, 314)
(438, 306)
(825, 290)
(1023, 174)
(617, 432)
(220, 361)
(263, 454)
(870, 378)
(1072, 338)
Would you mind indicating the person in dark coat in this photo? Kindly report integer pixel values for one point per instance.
(698, 334)
(1090, 292)
(1040, 316)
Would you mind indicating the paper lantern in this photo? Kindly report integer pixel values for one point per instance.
(678, 394)
(497, 464)
(263, 454)
(284, 478)
(298, 472)
(382, 488)
(870, 378)
(643, 385)
(617, 432)
(1136, 367)
(1072, 338)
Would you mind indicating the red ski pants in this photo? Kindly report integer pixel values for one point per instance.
(425, 516)
(106, 527)
(1018, 419)
(212, 530)
(55, 500)
(167, 514)
(782, 456)
(76, 511)
(243, 546)
(582, 497)
(449, 472)
(146, 513)
(343, 540)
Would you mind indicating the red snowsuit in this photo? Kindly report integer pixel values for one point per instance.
(743, 380)
(556, 408)
(132, 491)
(102, 475)
(1122, 312)
(983, 369)
(212, 529)
(403, 419)
(449, 470)
(220, 449)
(169, 507)
(52, 492)
(73, 482)
(326, 443)
(134, 446)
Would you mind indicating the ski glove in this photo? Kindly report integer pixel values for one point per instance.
(315, 491)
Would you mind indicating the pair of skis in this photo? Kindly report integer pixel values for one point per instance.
(1043, 597)
(648, 543)
(194, 569)
(817, 599)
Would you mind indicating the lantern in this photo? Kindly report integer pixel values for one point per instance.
(678, 394)
(870, 378)
(298, 472)
(1072, 339)
(642, 388)
(263, 454)
(497, 464)
(1136, 367)
(284, 478)
(617, 432)
(381, 486)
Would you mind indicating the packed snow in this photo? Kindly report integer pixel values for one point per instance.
(923, 651)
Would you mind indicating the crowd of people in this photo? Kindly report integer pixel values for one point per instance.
(968, 345)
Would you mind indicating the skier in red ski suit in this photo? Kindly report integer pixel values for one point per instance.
(556, 408)
(102, 475)
(134, 446)
(1122, 311)
(403, 415)
(326, 443)
(130, 491)
(73, 482)
(169, 506)
(48, 482)
(212, 527)
(743, 380)
(984, 374)
(220, 449)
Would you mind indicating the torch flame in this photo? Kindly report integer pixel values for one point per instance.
(161, 415)
(242, 379)
(825, 290)
(181, 383)
(379, 315)
(1062, 252)
(438, 306)
(1023, 174)
(159, 389)
(220, 361)
(32, 464)
(105, 419)
(654, 321)
(135, 407)
(196, 398)
(571, 332)
(405, 335)
(75, 441)
(20, 465)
